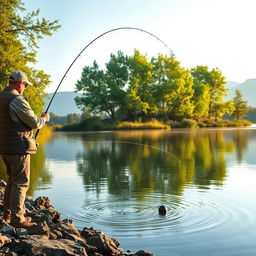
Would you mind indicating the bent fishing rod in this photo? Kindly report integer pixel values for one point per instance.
(79, 54)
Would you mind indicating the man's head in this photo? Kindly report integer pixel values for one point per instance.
(19, 81)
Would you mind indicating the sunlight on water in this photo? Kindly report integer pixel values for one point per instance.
(116, 181)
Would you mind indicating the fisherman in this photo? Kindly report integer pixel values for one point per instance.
(17, 120)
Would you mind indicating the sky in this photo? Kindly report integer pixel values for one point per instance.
(214, 33)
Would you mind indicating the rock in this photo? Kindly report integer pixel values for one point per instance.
(5, 251)
(40, 245)
(143, 253)
(53, 236)
(7, 229)
(40, 229)
(162, 210)
(21, 232)
(104, 244)
(42, 202)
(4, 240)
(64, 229)
(88, 232)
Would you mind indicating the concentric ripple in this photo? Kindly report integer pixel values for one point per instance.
(132, 218)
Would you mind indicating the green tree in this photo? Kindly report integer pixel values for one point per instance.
(219, 109)
(103, 90)
(19, 35)
(240, 105)
(139, 97)
(73, 118)
(56, 119)
(201, 96)
(214, 82)
(172, 88)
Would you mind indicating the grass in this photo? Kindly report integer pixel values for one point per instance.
(95, 124)
(154, 124)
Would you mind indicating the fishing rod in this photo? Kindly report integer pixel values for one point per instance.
(96, 38)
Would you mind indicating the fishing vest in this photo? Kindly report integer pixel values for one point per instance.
(13, 135)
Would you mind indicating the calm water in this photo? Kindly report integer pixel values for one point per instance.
(115, 182)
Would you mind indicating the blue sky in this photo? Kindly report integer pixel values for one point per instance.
(215, 33)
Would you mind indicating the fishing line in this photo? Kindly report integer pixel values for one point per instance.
(96, 38)
(133, 143)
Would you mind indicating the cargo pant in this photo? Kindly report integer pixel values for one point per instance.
(18, 170)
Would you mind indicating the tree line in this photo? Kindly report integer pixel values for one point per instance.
(134, 87)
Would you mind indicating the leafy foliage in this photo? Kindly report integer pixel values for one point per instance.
(135, 88)
(103, 91)
(18, 43)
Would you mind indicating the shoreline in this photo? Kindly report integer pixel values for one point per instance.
(55, 236)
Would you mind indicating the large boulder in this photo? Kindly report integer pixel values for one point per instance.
(104, 244)
(42, 246)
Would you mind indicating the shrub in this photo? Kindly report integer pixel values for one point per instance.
(242, 123)
(91, 123)
(189, 123)
(153, 124)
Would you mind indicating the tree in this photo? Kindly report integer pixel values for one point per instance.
(103, 90)
(138, 97)
(18, 44)
(172, 88)
(240, 105)
(219, 109)
(73, 118)
(56, 119)
(214, 82)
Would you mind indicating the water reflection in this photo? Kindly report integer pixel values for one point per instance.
(145, 161)
(115, 182)
(164, 162)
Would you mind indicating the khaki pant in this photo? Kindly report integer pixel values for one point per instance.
(18, 170)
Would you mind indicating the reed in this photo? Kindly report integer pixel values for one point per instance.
(153, 124)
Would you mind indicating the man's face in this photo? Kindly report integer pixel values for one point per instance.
(21, 87)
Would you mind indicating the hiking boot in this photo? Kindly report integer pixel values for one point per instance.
(24, 224)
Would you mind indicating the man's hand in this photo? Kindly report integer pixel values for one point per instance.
(46, 116)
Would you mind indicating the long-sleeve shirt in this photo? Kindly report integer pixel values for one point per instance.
(20, 109)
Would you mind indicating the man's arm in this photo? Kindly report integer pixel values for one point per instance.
(20, 108)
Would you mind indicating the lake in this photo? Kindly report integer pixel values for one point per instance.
(115, 182)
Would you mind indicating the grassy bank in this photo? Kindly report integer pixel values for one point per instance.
(95, 124)
(190, 123)
(154, 124)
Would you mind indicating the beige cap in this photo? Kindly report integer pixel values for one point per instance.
(19, 76)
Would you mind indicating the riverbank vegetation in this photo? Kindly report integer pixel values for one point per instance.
(95, 124)
(131, 91)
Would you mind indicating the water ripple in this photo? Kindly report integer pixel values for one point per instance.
(132, 218)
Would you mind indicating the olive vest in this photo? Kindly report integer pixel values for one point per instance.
(12, 134)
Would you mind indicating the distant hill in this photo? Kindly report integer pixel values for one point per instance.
(248, 89)
(63, 103)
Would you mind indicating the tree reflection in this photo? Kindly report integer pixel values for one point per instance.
(145, 162)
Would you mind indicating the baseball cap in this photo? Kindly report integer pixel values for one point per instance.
(19, 76)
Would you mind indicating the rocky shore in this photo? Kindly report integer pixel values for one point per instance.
(53, 235)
